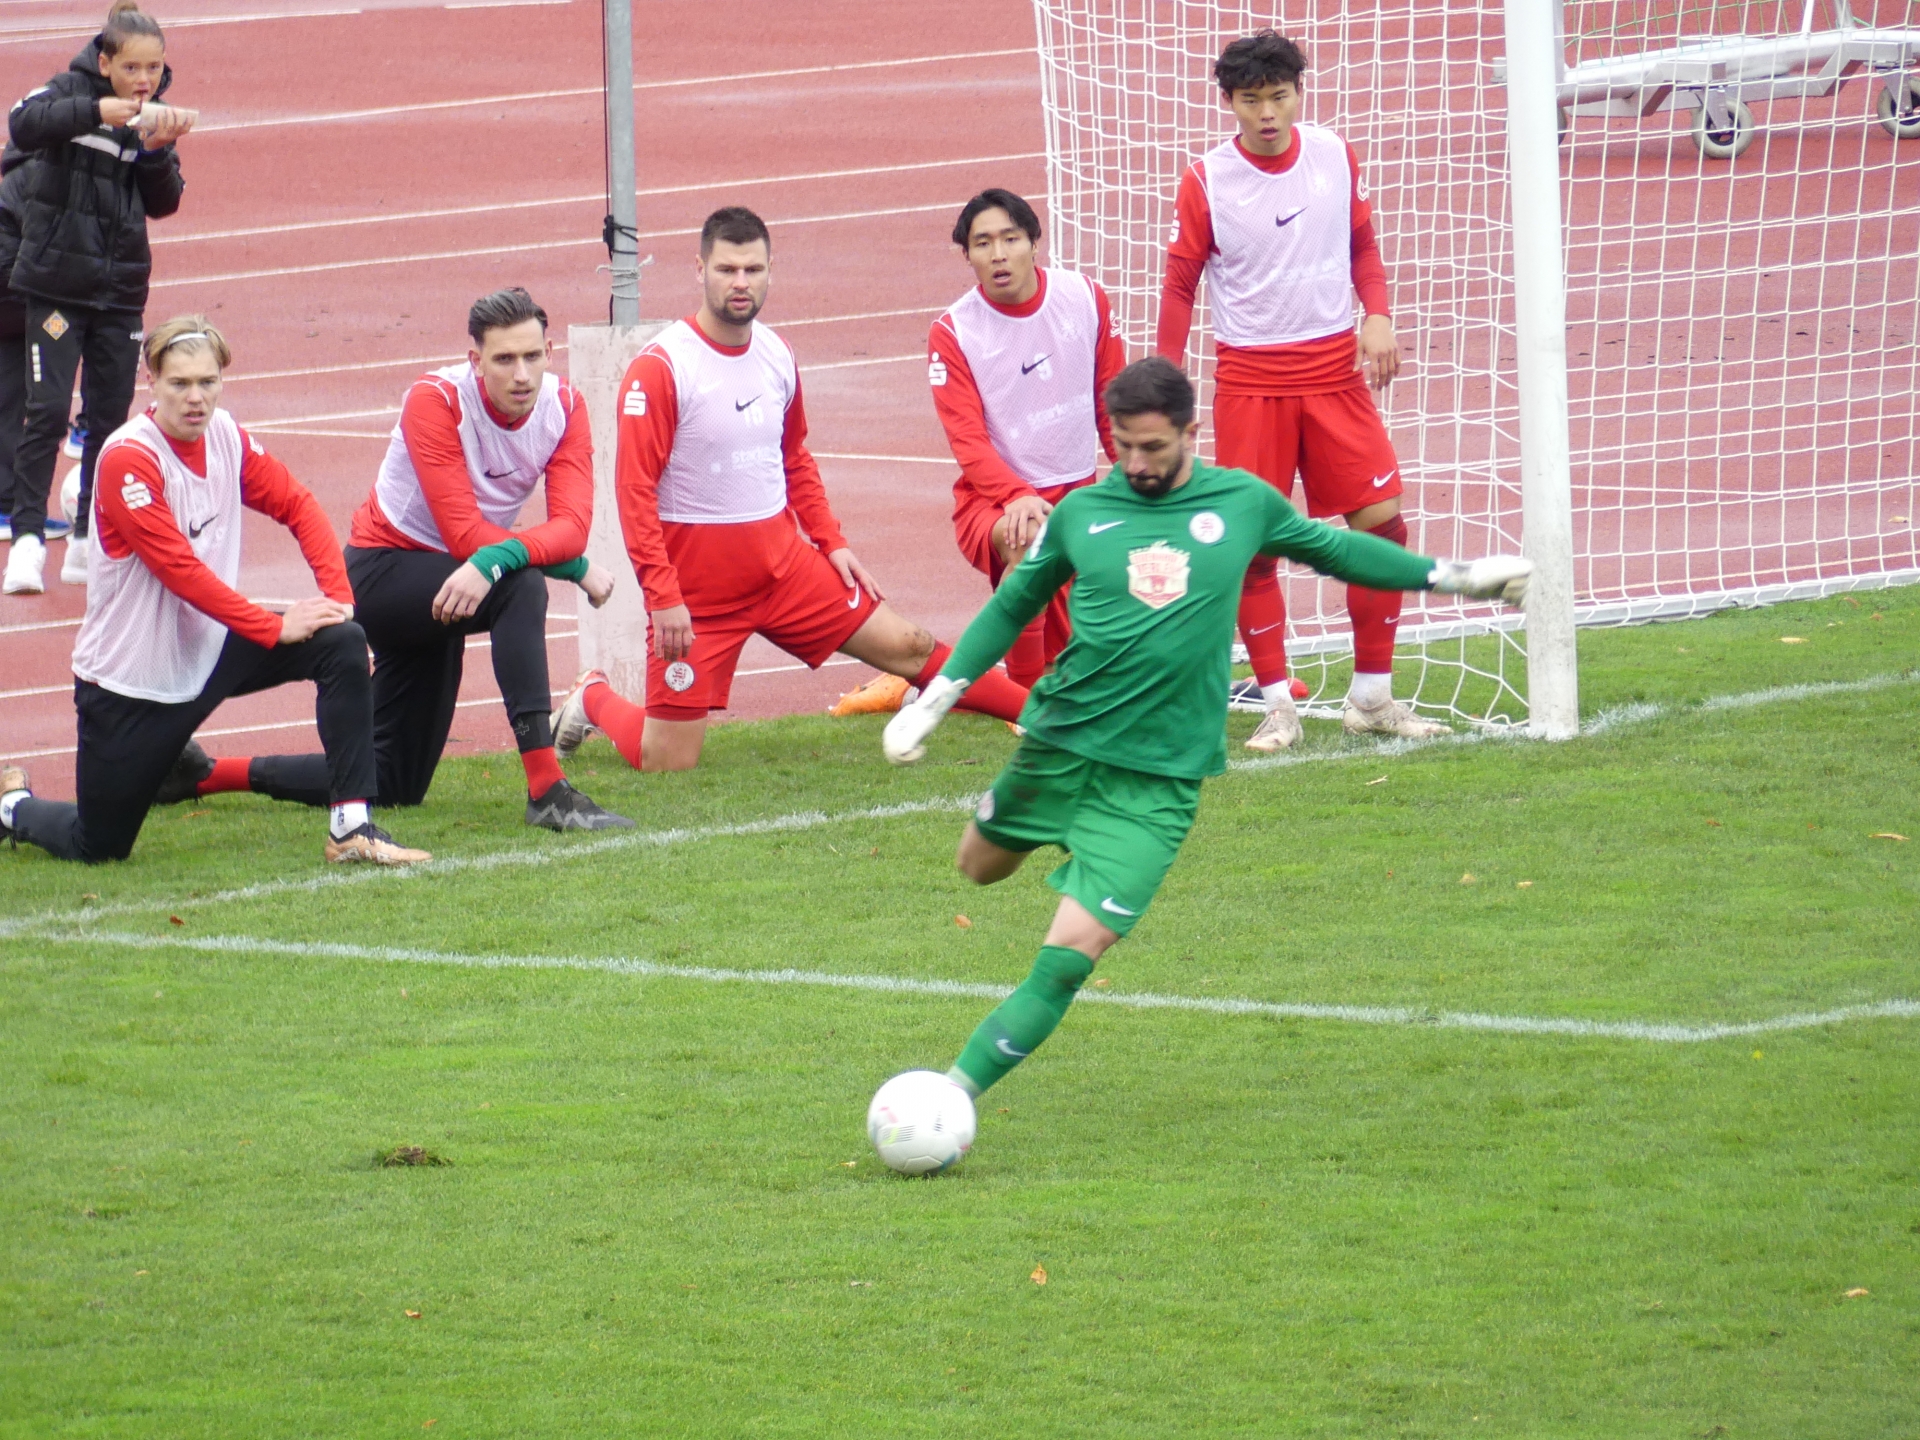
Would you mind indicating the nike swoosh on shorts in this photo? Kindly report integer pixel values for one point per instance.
(1113, 909)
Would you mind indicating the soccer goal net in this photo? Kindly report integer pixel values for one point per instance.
(1740, 186)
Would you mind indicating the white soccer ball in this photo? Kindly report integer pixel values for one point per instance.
(70, 497)
(921, 1123)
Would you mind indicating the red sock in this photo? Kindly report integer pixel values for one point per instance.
(620, 720)
(1263, 622)
(1027, 661)
(992, 694)
(1376, 613)
(543, 770)
(227, 775)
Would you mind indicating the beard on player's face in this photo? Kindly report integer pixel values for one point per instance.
(1152, 483)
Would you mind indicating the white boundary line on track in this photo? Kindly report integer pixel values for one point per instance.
(51, 34)
(1657, 1031)
(326, 266)
(597, 198)
(331, 117)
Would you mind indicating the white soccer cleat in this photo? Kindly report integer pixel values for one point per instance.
(76, 562)
(905, 738)
(570, 724)
(26, 567)
(1280, 730)
(1392, 718)
(1493, 577)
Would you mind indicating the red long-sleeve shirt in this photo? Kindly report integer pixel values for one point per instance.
(430, 425)
(707, 567)
(1308, 368)
(153, 533)
(983, 473)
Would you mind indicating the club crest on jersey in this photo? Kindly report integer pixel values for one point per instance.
(55, 324)
(1207, 527)
(1157, 574)
(679, 676)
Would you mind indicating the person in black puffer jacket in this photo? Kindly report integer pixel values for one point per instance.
(95, 147)
(13, 336)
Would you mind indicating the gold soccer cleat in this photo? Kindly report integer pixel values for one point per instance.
(882, 695)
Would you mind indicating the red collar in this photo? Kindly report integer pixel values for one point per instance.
(693, 322)
(1026, 307)
(1272, 164)
(486, 404)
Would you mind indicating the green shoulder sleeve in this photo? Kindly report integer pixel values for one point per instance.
(1023, 594)
(1349, 555)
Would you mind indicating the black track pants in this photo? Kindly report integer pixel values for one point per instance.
(127, 746)
(59, 339)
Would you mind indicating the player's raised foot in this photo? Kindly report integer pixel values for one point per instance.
(183, 780)
(1391, 718)
(13, 781)
(26, 567)
(1280, 730)
(565, 808)
(882, 695)
(570, 724)
(370, 845)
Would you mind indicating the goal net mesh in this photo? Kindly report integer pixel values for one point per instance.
(1741, 332)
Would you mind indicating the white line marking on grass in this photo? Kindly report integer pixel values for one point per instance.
(560, 853)
(1657, 1031)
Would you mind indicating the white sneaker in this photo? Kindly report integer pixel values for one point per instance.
(1392, 718)
(570, 724)
(73, 566)
(1279, 731)
(26, 567)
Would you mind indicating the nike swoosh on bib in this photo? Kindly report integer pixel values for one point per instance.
(500, 476)
(1288, 220)
(740, 405)
(1029, 369)
(193, 531)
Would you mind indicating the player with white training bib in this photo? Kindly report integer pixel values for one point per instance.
(434, 559)
(1278, 221)
(1017, 366)
(727, 523)
(166, 636)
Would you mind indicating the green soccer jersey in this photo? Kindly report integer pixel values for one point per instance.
(1156, 589)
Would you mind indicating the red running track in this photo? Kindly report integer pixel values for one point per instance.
(340, 250)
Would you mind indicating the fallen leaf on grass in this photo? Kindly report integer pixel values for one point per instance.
(848, 1164)
(1793, 639)
(90, 895)
(963, 922)
(403, 992)
(1759, 1054)
(409, 1155)
(1102, 983)
(1523, 884)
(1716, 824)
(1886, 835)
(1381, 781)
(859, 1284)
(1039, 1276)
(1468, 879)
(1004, 1110)
(196, 814)
(412, 1314)
(428, 1424)
(139, 1272)
(1858, 1293)
(175, 920)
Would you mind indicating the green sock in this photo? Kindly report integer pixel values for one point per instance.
(1025, 1018)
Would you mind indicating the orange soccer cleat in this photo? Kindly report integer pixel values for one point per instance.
(882, 695)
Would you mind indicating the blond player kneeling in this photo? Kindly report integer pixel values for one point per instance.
(166, 637)
(1130, 719)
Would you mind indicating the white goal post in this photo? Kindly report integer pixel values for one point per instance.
(1655, 266)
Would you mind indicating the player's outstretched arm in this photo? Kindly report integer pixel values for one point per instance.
(1493, 577)
(1363, 559)
(1021, 596)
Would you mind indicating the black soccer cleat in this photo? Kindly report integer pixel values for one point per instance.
(12, 778)
(565, 808)
(183, 780)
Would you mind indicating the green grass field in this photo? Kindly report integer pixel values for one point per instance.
(661, 1216)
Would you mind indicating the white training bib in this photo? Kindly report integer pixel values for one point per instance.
(728, 464)
(1035, 374)
(503, 465)
(1282, 271)
(139, 639)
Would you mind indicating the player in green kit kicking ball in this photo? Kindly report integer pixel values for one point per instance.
(1120, 733)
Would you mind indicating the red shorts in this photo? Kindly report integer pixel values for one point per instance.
(803, 607)
(974, 517)
(1335, 441)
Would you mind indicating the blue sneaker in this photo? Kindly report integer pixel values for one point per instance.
(75, 443)
(6, 527)
(57, 529)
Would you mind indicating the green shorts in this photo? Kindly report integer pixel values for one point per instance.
(1120, 828)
